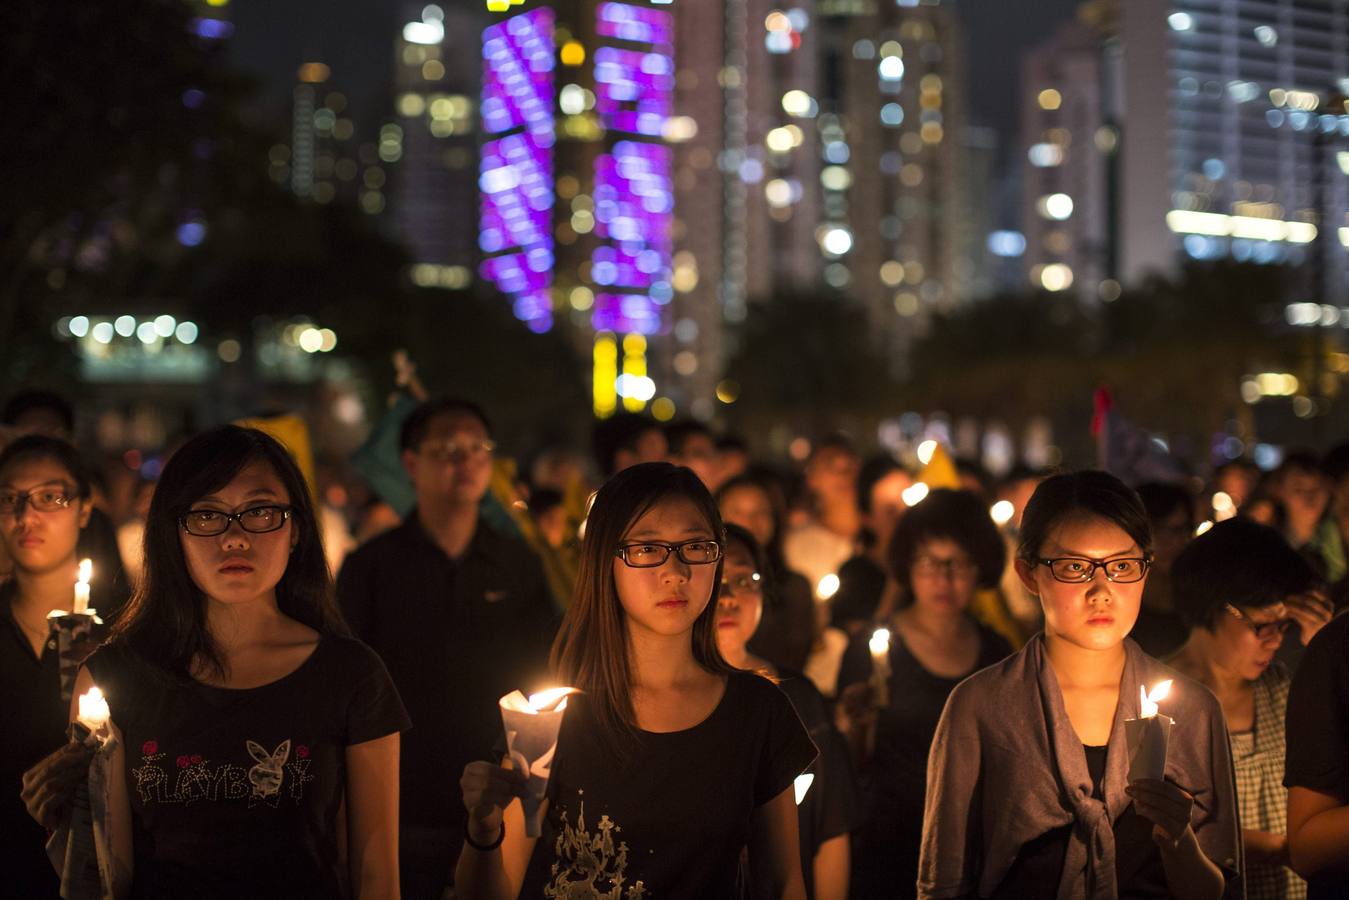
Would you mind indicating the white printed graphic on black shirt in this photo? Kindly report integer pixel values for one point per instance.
(267, 775)
(274, 776)
(595, 870)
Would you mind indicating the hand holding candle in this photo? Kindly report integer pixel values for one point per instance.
(532, 725)
(1149, 735)
(880, 667)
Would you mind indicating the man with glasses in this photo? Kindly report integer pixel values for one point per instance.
(461, 615)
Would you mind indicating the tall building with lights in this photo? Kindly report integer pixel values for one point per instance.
(322, 162)
(895, 230)
(1220, 122)
(427, 156)
(1070, 112)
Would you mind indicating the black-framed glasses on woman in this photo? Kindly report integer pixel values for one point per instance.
(43, 498)
(1263, 630)
(649, 554)
(255, 520)
(1080, 570)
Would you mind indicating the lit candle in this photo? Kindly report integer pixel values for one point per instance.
(1149, 735)
(82, 588)
(94, 712)
(532, 724)
(880, 667)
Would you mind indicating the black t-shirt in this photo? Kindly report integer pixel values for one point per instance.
(831, 805)
(235, 793)
(33, 720)
(669, 818)
(1317, 724)
(456, 635)
(1139, 874)
(894, 782)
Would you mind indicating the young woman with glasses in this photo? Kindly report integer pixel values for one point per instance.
(1028, 791)
(1239, 588)
(671, 762)
(940, 553)
(257, 744)
(44, 507)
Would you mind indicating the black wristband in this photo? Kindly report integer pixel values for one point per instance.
(501, 836)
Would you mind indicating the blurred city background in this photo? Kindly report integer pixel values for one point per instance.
(903, 219)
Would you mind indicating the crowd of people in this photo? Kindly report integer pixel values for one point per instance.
(866, 678)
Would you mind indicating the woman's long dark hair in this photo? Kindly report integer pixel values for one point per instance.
(165, 622)
(591, 649)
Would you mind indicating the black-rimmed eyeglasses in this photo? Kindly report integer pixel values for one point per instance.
(1263, 630)
(649, 554)
(1080, 570)
(255, 520)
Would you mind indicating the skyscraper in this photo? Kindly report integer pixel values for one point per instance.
(430, 149)
(894, 229)
(1225, 120)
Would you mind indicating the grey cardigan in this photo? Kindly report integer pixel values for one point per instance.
(1006, 766)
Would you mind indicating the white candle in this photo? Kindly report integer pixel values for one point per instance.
(93, 709)
(532, 725)
(880, 666)
(1149, 735)
(82, 587)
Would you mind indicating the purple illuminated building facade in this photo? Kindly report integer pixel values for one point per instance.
(576, 180)
(516, 168)
(634, 200)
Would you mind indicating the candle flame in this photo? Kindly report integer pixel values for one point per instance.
(93, 708)
(1148, 700)
(86, 570)
(880, 642)
(550, 700)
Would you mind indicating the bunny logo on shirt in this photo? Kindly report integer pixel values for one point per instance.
(267, 775)
(275, 776)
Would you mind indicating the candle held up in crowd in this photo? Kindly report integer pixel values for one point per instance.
(880, 667)
(81, 605)
(532, 725)
(1149, 735)
(93, 712)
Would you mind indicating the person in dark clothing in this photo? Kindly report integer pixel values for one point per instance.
(460, 613)
(941, 551)
(789, 629)
(44, 507)
(255, 747)
(1160, 630)
(827, 804)
(1317, 767)
(671, 767)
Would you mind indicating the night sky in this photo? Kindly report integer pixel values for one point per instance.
(355, 38)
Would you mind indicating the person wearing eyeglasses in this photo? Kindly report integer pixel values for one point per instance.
(940, 553)
(256, 742)
(1239, 588)
(827, 805)
(1028, 790)
(44, 507)
(670, 763)
(461, 614)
